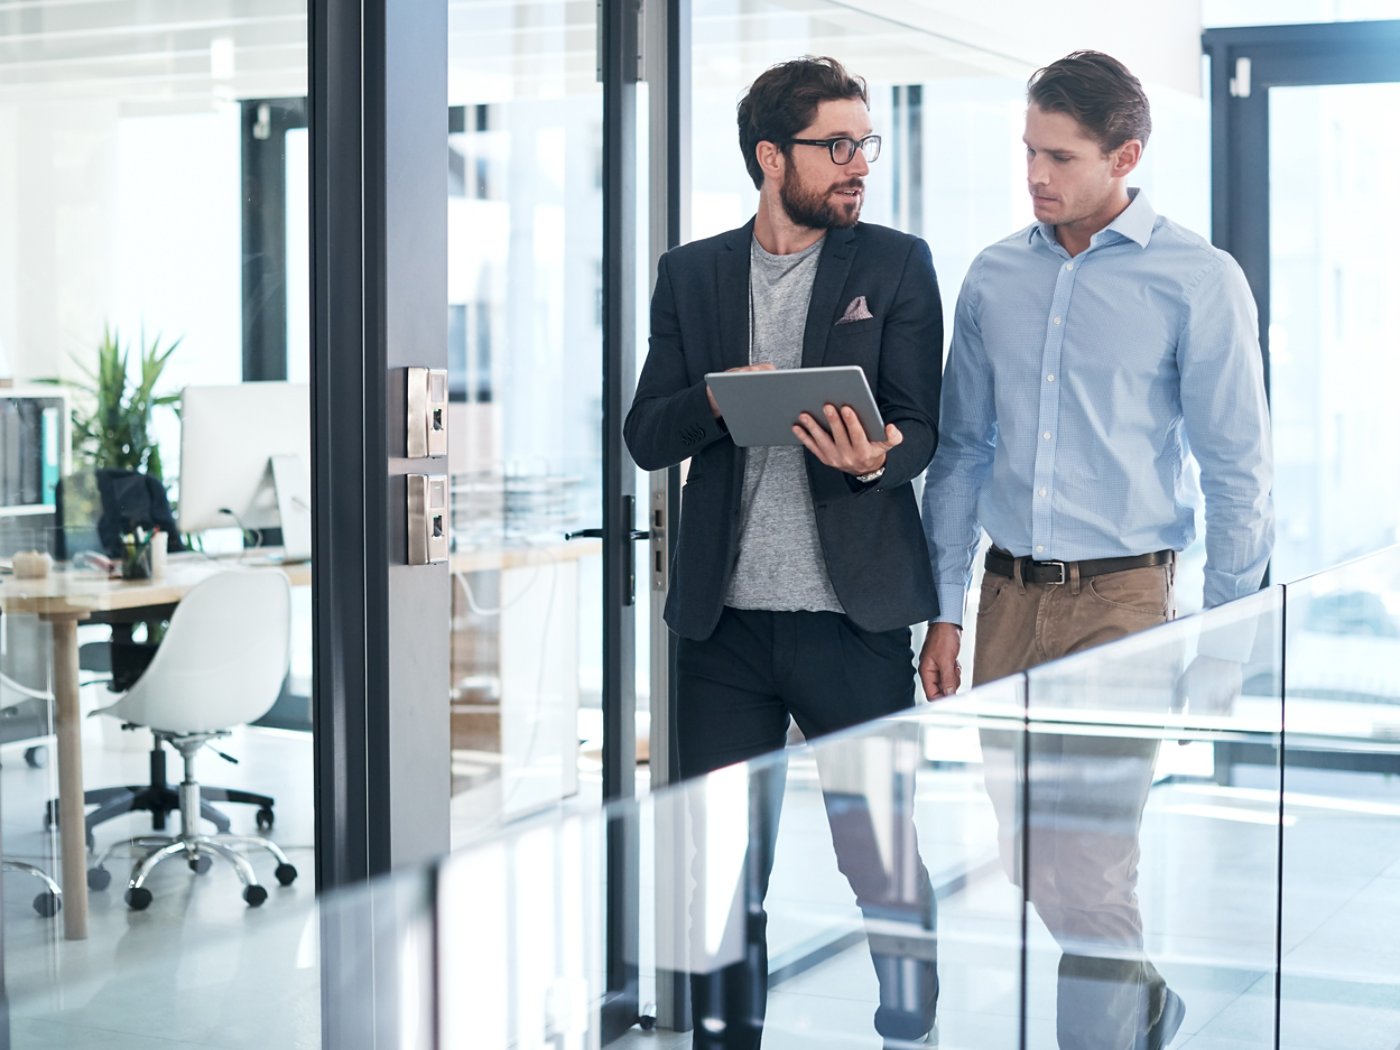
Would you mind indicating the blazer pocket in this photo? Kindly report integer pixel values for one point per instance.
(855, 326)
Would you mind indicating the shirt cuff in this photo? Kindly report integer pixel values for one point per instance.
(950, 604)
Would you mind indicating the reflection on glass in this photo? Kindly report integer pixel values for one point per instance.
(1341, 864)
(525, 381)
(867, 793)
(1111, 731)
(137, 222)
(1333, 322)
(502, 945)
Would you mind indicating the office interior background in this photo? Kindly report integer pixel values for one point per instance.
(483, 188)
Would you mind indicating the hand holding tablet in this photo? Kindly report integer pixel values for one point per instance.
(762, 407)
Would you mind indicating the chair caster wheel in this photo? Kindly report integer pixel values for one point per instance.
(265, 819)
(36, 757)
(254, 895)
(138, 899)
(200, 864)
(286, 874)
(646, 1022)
(98, 878)
(48, 903)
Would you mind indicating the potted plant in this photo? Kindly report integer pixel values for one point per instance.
(111, 417)
(111, 426)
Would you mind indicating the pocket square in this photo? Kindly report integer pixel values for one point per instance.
(857, 311)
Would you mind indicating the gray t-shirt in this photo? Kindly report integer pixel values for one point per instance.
(781, 567)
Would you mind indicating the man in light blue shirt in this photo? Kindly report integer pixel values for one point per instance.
(1093, 352)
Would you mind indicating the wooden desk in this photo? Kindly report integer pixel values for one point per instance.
(64, 599)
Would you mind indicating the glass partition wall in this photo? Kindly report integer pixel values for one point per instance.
(525, 386)
(136, 261)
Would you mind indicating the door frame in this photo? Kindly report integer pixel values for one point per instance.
(379, 291)
(1245, 63)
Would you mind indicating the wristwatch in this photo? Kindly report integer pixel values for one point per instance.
(874, 475)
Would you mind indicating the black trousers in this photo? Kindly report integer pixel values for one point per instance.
(737, 691)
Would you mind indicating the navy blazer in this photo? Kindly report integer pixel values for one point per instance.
(871, 536)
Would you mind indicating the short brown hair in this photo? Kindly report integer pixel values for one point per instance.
(784, 99)
(1098, 92)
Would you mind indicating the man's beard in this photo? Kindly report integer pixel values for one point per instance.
(815, 210)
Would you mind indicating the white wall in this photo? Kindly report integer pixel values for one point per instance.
(127, 220)
(1284, 12)
(130, 221)
(61, 216)
(1159, 40)
(9, 194)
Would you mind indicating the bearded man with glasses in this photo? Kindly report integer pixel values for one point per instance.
(800, 567)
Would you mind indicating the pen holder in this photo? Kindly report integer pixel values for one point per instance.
(136, 558)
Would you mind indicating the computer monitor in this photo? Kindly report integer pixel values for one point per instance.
(245, 455)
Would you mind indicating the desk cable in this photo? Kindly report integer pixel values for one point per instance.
(533, 741)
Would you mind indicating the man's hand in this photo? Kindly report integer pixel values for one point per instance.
(846, 447)
(714, 405)
(939, 669)
(1209, 686)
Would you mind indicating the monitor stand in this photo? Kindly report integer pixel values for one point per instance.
(292, 489)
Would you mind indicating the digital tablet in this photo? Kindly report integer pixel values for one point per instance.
(760, 408)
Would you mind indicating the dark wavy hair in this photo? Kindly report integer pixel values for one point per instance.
(1098, 92)
(784, 99)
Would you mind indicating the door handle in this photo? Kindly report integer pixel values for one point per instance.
(629, 509)
(597, 534)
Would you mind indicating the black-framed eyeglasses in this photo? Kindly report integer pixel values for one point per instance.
(843, 149)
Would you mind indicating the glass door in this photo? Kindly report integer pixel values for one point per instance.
(1303, 181)
(1333, 322)
(1301, 185)
(543, 217)
(525, 353)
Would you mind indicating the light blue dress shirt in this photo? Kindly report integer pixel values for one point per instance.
(1072, 388)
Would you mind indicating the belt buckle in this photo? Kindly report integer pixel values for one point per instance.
(1064, 572)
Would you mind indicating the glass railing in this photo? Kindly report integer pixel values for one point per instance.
(1157, 886)
(1188, 837)
(1340, 920)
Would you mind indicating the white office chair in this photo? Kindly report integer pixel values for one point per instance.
(221, 664)
(12, 695)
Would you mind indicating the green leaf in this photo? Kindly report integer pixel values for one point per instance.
(111, 421)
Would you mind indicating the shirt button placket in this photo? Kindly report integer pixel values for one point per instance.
(1042, 527)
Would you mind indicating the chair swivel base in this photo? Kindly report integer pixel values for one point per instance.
(161, 801)
(199, 852)
(49, 900)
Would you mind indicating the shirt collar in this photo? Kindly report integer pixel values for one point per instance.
(1134, 223)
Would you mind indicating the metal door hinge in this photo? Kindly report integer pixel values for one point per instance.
(1239, 83)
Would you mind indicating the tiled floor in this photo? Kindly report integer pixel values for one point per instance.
(199, 969)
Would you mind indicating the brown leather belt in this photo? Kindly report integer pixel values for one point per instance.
(1054, 572)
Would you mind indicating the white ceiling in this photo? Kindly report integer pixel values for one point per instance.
(192, 53)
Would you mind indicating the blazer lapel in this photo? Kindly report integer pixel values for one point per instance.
(732, 283)
(835, 266)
